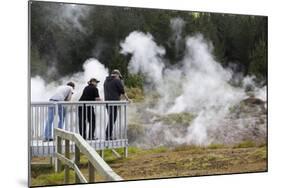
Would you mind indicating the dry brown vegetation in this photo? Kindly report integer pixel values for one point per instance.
(192, 162)
(163, 162)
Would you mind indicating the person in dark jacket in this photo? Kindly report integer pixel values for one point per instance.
(90, 93)
(113, 90)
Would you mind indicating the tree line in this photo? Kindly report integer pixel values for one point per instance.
(63, 36)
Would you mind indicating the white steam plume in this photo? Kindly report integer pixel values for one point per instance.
(200, 86)
(41, 91)
(146, 56)
(206, 82)
(68, 16)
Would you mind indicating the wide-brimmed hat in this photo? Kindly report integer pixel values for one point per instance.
(116, 71)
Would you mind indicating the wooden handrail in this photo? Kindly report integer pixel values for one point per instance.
(94, 158)
(72, 165)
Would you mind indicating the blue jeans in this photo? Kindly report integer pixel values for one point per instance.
(49, 123)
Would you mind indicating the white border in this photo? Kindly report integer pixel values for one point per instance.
(13, 58)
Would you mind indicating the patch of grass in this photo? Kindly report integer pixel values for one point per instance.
(136, 150)
(133, 150)
(83, 159)
(111, 158)
(263, 144)
(260, 154)
(51, 179)
(108, 157)
(184, 118)
(215, 146)
(139, 151)
(191, 148)
(199, 148)
(207, 162)
(40, 168)
(164, 162)
(245, 144)
(161, 149)
(135, 93)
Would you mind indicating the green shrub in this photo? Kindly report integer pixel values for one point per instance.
(134, 81)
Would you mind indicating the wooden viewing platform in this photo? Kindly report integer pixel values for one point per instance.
(39, 114)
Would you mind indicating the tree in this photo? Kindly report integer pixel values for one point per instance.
(64, 40)
(258, 61)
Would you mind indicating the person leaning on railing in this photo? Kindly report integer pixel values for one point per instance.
(90, 93)
(113, 90)
(63, 93)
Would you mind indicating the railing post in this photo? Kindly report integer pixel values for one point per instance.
(57, 139)
(77, 162)
(51, 161)
(56, 116)
(126, 152)
(125, 129)
(66, 167)
(102, 153)
(95, 162)
(58, 148)
(91, 170)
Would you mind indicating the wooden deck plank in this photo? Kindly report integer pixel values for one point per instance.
(41, 148)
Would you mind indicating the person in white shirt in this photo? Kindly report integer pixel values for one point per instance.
(63, 93)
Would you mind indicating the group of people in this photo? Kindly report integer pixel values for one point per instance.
(113, 91)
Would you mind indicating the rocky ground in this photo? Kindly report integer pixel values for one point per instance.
(244, 121)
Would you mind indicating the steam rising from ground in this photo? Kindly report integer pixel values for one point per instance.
(146, 56)
(41, 91)
(200, 86)
(67, 16)
(197, 85)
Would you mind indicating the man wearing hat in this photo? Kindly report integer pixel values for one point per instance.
(90, 93)
(113, 90)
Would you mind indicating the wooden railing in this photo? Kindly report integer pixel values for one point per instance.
(96, 163)
(40, 127)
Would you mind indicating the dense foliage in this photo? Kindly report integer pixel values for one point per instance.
(63, 36)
